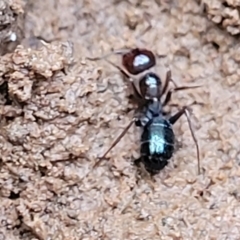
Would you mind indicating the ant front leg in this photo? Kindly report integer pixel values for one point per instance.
(175, 118)
(168, 79)
(169, 94)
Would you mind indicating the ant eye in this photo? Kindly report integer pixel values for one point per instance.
(138, 60)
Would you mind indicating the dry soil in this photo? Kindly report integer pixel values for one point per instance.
(60, 111)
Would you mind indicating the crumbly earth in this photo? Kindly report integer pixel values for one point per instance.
(225, 14)
(60, 112)
(11, 24)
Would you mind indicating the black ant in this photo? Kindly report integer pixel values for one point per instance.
(158, 139)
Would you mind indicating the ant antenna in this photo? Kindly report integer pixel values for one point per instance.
(148, 20)
(119, 51)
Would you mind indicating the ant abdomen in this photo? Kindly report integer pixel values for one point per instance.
(138, 60)
(157, 144)
(154, 164)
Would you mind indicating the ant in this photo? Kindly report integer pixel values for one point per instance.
(158, 138)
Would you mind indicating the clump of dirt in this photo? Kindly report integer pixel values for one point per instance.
(45, 112)
(224, 13)
(20, 69)
(11, 24)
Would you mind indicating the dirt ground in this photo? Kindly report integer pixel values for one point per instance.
(59, 112)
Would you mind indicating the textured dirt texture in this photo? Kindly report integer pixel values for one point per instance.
(60, 111)
(224, 13)
(11, 24)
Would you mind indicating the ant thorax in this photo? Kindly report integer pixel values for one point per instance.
(150, 85)
(150, 110)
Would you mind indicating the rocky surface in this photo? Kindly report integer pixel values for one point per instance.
(11, 24)
(224, 13)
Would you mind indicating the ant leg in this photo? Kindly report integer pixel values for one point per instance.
(169, 94)
(168, 79)
(137, 161)
(126, 75)
(116, 141)
(174, 118)
(166, 113)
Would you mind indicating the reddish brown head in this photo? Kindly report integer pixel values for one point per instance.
(138, 60)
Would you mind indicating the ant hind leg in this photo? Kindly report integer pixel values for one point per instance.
(175, 118)
(115, 142)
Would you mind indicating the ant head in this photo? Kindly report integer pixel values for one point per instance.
(150, 86)
(138, 60)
